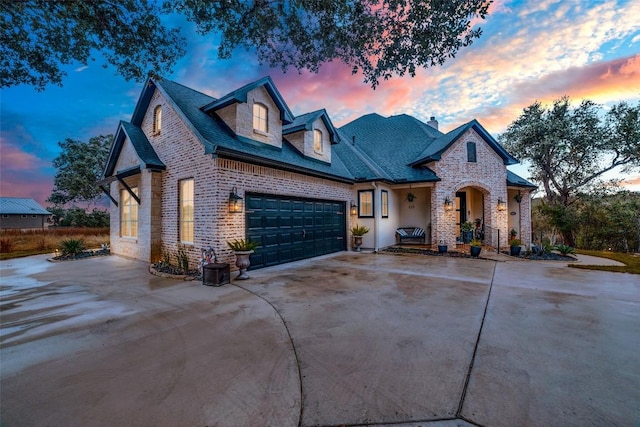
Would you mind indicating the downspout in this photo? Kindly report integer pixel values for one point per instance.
(376, 219)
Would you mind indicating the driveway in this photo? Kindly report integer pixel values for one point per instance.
(348, 339)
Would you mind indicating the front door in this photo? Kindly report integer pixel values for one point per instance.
(461, 211)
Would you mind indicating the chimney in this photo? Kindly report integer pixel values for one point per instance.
(433, 123)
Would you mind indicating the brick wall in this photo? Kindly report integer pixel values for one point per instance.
(488, 175)
(213, 178)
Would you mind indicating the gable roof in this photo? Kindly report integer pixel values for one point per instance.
(517, 181)
(218, 140)
(305, 122)
(434, 151)
(21, 206)
(148, 157)
(240, 95)
(390, 144)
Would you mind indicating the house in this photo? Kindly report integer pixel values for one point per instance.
(22, 213)
(197, 171)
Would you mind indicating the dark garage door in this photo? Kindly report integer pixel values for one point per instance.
(291, 229)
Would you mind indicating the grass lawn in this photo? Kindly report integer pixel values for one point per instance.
(16, 244)
(632, 262)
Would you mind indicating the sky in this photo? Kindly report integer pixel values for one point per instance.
(530, 50)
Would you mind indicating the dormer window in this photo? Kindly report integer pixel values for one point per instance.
(471, 152)
(260, 117)
(157, 119)
(317, 141)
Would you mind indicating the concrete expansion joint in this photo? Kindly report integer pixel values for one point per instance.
(475, 349)
(293, 346)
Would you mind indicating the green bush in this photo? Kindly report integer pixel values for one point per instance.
(72, 246)
(241, 245)
(565, 249)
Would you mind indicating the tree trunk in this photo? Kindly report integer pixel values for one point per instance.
(568, 238)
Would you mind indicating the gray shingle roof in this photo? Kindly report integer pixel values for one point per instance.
(240, 95)
(305, 122)
(147, 155)
(391, 144)
(517, 181)
(21, 206)
(218, 139)
(439, 145)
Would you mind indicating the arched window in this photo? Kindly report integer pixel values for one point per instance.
(317, 141)
(260, 117)
(471, 152)
(157, 119)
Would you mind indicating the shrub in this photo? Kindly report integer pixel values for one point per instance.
(565, 249)
(183, 258)
(515, 242)
(6, 245)
(242, 245)
(72, 246)
(359, 230)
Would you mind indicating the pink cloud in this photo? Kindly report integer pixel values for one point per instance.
(23, 174)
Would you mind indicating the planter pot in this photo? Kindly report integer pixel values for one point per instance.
(357, 242)
(243, 261)
(467, 236)
(475, 251)
(442, 249)
(515, 250)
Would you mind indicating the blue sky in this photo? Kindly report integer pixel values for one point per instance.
(530, 50)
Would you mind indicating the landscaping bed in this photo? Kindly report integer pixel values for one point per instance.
(81, 255)
(420, 251)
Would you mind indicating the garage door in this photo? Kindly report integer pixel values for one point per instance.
(291, 229)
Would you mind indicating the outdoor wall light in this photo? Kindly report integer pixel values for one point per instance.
(353, 209)
(235, 201)
(501, 205)
(448, 204)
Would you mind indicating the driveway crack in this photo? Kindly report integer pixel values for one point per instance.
(475, 349)
(293, 346)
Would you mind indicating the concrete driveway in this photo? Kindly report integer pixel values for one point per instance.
(348, 339)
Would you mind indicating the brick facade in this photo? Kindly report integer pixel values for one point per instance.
(183, 154)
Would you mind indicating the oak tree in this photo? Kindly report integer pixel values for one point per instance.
(79, 167)
(379, 38)
(570, 149)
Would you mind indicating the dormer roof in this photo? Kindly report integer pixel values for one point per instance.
(240, 95)
(305, 122)
(146, 154)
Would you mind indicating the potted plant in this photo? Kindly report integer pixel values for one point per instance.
(358, 231)
(512, 234)
(475, 248)
(243, 250)
(467, 231)
(515, 247)
(442, 247)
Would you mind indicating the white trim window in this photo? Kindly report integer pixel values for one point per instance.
(157, 119)
(186, 211)
(317, 141)
(260, 117)
(128, 213)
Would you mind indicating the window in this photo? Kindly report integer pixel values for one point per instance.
(260, 116)
(186, 210)
(157, 119)
(471, 152)
(128, 214)
(384, 198)
(317, 141)
(365, 203)
(5, 216)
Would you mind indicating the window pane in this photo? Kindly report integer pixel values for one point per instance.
(471, 152)
(260, 117)
(317, 141)
(186, 210)
(365, 202)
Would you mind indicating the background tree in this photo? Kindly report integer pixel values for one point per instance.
(570, 149)
(79, 166)
(378, 38)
